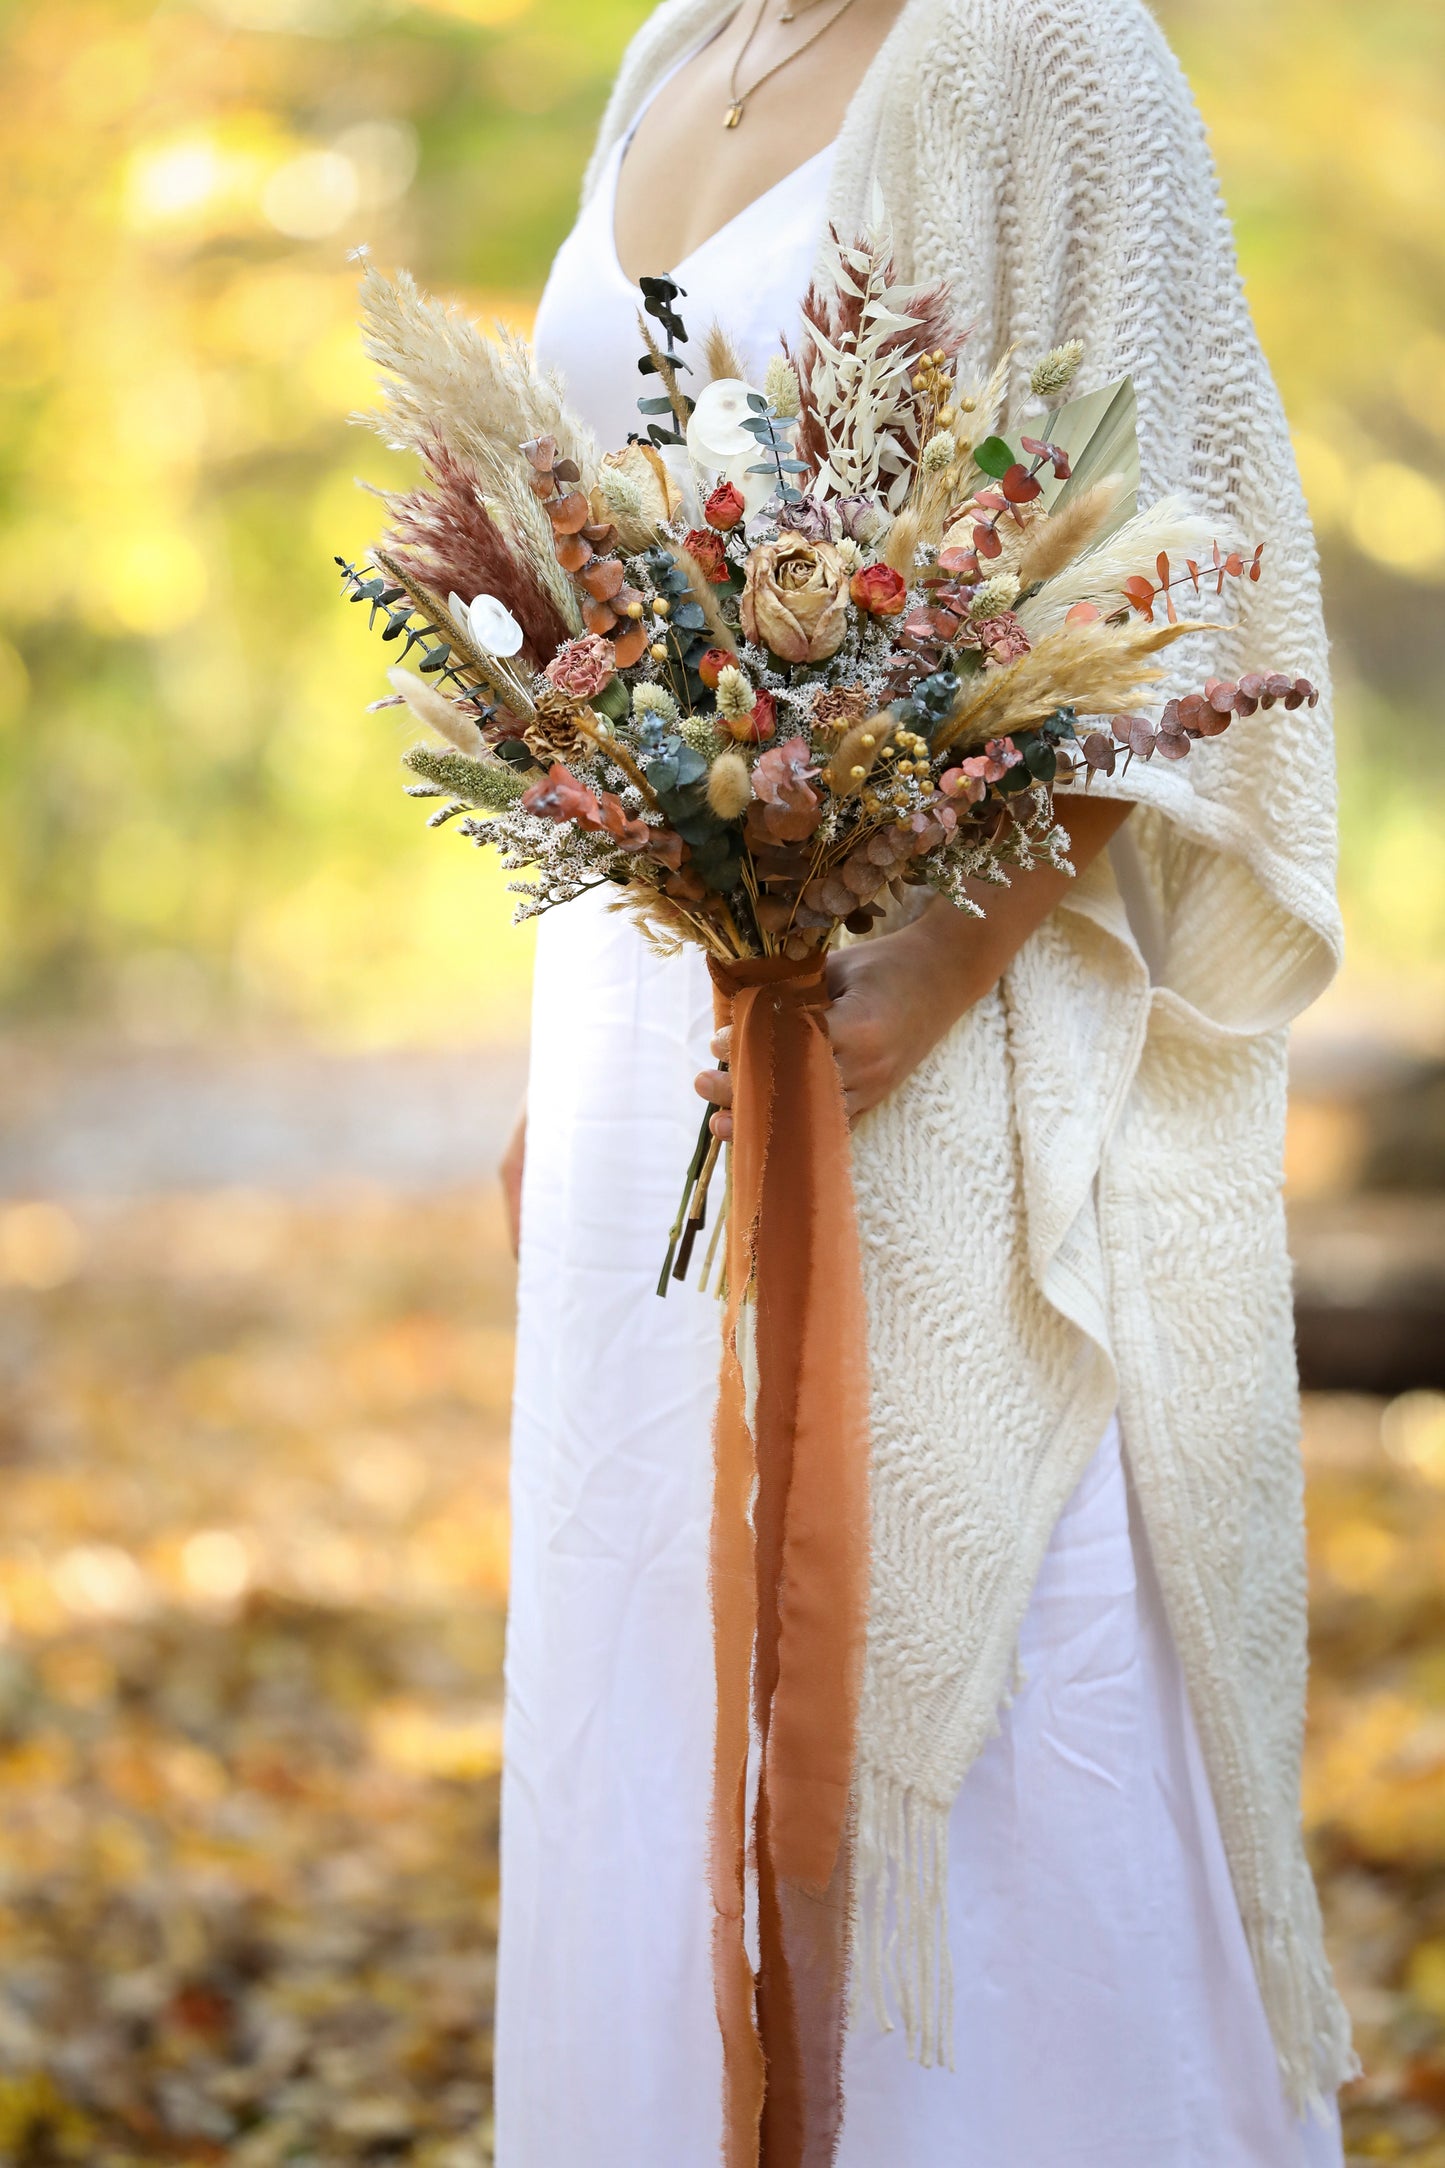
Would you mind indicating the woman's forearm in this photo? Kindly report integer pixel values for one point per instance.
(966, 957)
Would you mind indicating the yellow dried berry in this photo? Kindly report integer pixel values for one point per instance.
(661, 607)
(658, 651)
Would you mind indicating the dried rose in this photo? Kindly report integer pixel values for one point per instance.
(1002, 638)
(706, 549)
(582, 667)
(713, 664)
(879, 590)
(795, 600)
(757, 726)
(862, 517)
(808, 518)
(724, 508)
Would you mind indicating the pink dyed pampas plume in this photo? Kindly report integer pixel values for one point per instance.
(446, 539)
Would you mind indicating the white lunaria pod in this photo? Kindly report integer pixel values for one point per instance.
(718, 444)
(492, 625)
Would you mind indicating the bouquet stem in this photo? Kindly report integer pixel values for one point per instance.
(692, 1209)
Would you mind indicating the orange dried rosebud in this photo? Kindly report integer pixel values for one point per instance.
(724, 508)
(758, 725)
(712, 666)
(706, 550)
(879, 590)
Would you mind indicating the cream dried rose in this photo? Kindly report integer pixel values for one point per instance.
(796, 599)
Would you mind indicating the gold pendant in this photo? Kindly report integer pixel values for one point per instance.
(734, 114)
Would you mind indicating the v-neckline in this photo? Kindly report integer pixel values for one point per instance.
(609, 196)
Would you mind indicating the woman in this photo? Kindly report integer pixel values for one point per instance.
(1086, 1897)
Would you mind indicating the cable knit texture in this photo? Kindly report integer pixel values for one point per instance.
(1075, 1202)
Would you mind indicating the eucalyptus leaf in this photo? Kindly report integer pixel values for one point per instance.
(994, 457)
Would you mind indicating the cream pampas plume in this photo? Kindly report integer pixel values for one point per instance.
(435, 710)
(729, 786)
(443, 378)
(1057, 539)
(904, 536)
(980, 401)
(1094, 668)
(1099, 574)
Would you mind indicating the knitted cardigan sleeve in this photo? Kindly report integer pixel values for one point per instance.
(1058, 171)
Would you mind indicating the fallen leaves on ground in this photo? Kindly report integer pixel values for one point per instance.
(252, 1578)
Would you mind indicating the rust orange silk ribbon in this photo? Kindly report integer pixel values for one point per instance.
(789, 1570)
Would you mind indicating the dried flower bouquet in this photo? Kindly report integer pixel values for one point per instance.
(797, 648)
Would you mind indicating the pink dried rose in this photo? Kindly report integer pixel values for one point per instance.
(583, 667)
(1002, 638)
(796, 599)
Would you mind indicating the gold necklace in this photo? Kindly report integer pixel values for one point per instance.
(740, 98)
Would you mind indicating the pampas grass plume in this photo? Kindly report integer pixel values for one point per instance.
(1057, 540)
(901, 547)
(721, 356)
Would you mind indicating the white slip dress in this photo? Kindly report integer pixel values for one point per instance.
(1107, 2014)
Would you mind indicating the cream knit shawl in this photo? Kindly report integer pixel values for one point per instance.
(1075, 1203)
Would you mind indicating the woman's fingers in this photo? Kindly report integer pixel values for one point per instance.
(722, 1042)
(716, 1085)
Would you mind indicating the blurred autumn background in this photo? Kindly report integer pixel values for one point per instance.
(261, 1038)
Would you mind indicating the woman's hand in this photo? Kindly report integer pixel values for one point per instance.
(896, 997)
(892, 1001)
(509, 1174)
